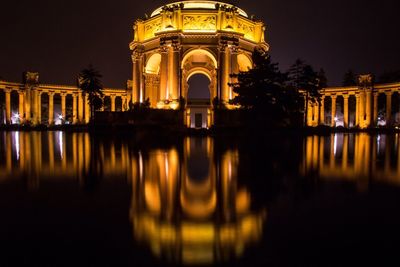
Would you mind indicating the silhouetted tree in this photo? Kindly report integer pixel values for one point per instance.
(349, 79)
(389, 77)
(90, 84)
(303, 77)
(263, 90)
(323, 81)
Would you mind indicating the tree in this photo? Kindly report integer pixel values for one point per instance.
(323, 81)
(264, 91)
(349, 79)
(90, 84)
(303, 78)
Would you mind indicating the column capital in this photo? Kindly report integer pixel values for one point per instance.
(334, 97)
(176, 47)
(51, 93)
(136, 56)
(234, 49)
(164, 49)
(388, 93)
(346, 96)
(222, 47)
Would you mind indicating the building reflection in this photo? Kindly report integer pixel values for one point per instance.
(355, 157)
(41, 156)
(187, 205)
(189, 208)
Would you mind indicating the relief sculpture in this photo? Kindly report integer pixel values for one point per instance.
(246, 29)
(199, 22)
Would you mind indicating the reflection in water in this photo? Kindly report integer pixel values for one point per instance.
(188, 219)
(187, 205)
(356, 157)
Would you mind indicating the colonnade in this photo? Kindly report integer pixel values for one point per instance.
(366, 106)
(30, 102)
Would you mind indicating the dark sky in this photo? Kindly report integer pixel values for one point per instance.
(60, 37)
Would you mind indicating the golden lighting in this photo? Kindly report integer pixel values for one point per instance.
(185, 229)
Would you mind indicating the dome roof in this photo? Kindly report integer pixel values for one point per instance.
(199, 4)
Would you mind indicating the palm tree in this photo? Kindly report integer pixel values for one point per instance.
(90, 84)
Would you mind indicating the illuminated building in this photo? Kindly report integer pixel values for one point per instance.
(185, 38)
(365, 105)
(30, 96)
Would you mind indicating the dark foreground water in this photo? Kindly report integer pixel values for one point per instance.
(71, 199)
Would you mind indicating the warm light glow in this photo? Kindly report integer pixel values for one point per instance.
(153, 64)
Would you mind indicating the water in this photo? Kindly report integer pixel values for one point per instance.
(283, 200)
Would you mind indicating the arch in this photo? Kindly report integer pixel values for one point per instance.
(244, 62)
(195, 71)
(153, 64)
(198, 52)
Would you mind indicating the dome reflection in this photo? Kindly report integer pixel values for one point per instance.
(193, 221)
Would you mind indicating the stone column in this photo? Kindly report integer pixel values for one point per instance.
(368, 109)
(39, 107)
(164, 92)
(346, 111)
(316, 114)
(375, 113)
(124, 103)
(234, 68)
(63, 108)
(224, 73)
(322, 111)
(8, 106)
(112, 103)
(173, 71)
(80, 107)
(388, 108)
(136, 59)
(34, 106)
(21, 107)
(74, 108)
(357, 110)
(27, 103)
(333, 110)
(361, 110)
(227, 70)
(51, 108)
(87, 109)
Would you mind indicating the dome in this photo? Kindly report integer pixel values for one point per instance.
(206, 5)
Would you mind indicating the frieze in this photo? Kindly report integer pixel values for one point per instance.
(151, 29)
(199, 22)
(246, 29)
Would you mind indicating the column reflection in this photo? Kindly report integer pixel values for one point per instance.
(355, 157)
(189, 208)
(187, 205)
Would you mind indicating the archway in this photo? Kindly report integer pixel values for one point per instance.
(244, 63)
(198, 100)
(199, 61)
(152, 79)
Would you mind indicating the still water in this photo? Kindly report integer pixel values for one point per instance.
(283, 200)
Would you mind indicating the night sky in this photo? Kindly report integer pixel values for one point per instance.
(60, 37)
